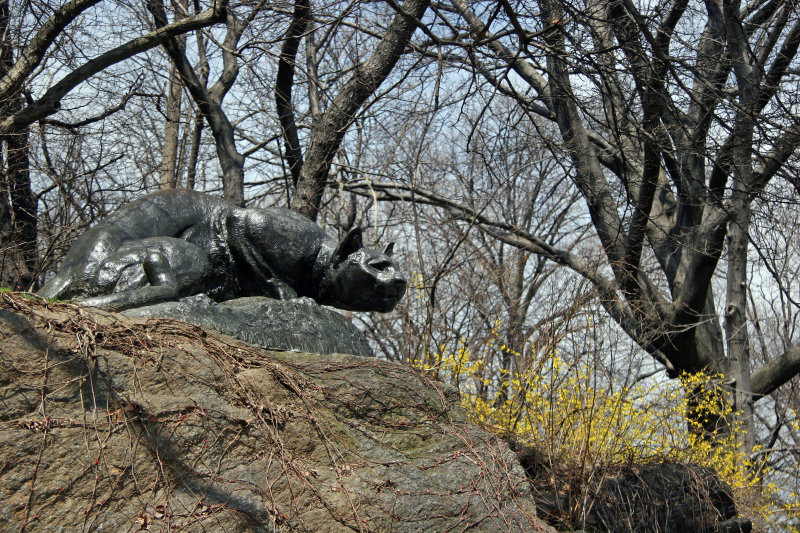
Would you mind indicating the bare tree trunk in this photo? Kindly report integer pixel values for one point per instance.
(327, 134)
(17, 215)
(18, 205)
(6, 224)
(210, 101)
(514, 344)
(169, 151)
(199, 122)
(169, 178)
(23, 207)
(194, 150)
(314, 103)
(739, 231)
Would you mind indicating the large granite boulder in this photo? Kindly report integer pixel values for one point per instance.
(116, 423)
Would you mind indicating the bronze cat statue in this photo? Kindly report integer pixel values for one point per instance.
(177, 243)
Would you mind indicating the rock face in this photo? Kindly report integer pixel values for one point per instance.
(298, 324)
(119, 424)
(666, 497)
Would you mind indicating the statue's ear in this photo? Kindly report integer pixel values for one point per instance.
(350, 243)
(389, 249)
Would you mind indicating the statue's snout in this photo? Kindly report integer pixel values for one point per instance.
(399, 285)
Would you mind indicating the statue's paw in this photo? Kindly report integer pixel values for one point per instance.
(279, 290)
(88, 301)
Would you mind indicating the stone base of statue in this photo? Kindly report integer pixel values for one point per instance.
(299, 324)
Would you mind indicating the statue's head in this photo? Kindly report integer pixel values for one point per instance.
(362, 279)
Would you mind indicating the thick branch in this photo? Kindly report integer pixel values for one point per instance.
(328, 132)
(50, 102)
(775, 373)
(698, 262)
(284, 84)
(723, 165)
(649, 78)
(199, 122)
(230, 60)
(777, 70)
(710, 72)
(32, 55)
(588, 174)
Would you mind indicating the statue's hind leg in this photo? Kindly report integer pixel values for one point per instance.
(161, 286)
(57, 287)
(149, 271)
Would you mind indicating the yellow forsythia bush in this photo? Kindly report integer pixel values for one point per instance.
(566, 413)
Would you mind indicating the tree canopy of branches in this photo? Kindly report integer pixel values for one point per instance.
(51, 54)
(674, 117)
(36, 49)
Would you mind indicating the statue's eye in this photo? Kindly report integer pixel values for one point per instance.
(381, 265)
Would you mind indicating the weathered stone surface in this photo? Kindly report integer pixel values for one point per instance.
(665, 497)
(115, 423)
(298, 324)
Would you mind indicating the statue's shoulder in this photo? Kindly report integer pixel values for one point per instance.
(283, 226)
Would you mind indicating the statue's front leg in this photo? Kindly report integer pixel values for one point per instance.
(279, 290)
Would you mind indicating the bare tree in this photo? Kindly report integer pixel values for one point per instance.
(168, 178)
(209, 100)
(674, 118)
(38, 70)
(330, 126)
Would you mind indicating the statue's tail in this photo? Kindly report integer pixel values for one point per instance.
(57, 287)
